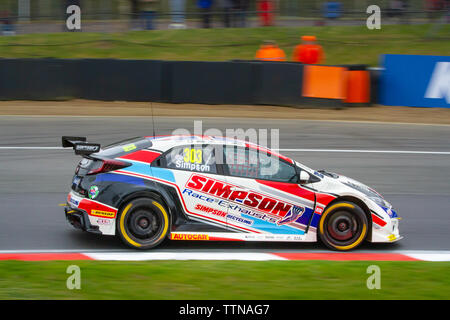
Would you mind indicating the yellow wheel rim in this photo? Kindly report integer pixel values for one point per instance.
(339, 205)
(124, 232)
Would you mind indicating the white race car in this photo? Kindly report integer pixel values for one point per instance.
(219, 189)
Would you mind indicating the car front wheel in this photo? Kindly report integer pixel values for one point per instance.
(343, 226)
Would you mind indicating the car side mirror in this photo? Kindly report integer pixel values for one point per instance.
(304, 177)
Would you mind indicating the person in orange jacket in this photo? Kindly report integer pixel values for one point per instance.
(308, 51)
(269, 51)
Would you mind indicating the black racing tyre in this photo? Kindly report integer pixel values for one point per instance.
(343, 226)
(143, 223)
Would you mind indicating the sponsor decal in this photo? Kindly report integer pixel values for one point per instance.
(294, 213)
(192, 160)
(129, 147)
(193, 155)
(176, 236)
(391, 212)
(415, 81)
(72, 200)
(439, 85)
(268, 205)
(180, 164)
(223, 214)
(239, 219)
(230, 206)
(319, 174)
(104, 221)
(87, 148)
(392, 237)
(319, 210)
(273, 237)
(102, 213)
(211, 210)
(93, 192)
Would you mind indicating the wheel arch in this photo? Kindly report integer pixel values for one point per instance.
(146, 194)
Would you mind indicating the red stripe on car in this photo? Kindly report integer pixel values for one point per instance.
(324, 198)
(146, 156)
(289, 188)
(97, 209)
(378, 220)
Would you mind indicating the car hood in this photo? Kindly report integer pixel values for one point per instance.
(336, 179)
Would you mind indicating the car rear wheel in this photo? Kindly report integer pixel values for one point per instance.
(343, 226)
(143, 223)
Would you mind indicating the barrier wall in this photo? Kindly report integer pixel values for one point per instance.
(278, 83)
(233, 82)
(31, 79)
(213, 82)
(129, 80)
(97, 79)
(416, 81)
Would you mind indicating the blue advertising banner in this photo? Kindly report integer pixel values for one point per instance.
(415, 81)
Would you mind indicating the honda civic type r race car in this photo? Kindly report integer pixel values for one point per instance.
(220, 189)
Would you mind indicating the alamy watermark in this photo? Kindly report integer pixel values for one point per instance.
(374, 280)
(253, 136)
(73, 21)
(374, 20)
(251, 148)
(74, 280)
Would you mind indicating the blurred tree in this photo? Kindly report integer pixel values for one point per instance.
(9, 5)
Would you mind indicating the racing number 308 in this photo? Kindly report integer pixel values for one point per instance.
(192, 155)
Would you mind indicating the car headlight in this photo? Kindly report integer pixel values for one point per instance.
(371, 194)
(381, 202)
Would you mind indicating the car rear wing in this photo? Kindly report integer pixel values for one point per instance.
(80, 145)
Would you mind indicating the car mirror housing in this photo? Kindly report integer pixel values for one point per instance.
(304, 177)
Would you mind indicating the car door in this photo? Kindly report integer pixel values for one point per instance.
(195, 169)
(266, 192)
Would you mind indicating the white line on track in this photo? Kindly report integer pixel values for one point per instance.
(158, 255)
(118, 117)
(366, 151)
(218, 254)
(281, 150)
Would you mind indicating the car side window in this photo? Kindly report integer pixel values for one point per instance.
(198, 158)
(250, 163)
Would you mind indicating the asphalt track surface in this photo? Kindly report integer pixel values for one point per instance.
(33, 182)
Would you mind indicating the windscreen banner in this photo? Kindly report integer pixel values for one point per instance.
(415, 81)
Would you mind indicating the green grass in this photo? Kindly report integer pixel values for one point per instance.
(224, 280)
(342, 45)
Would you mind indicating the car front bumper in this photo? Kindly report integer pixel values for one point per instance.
(388, 233)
